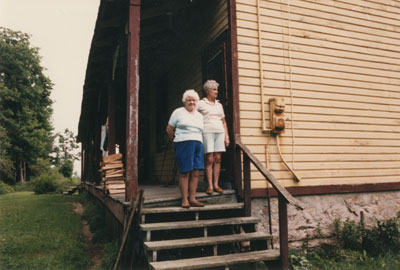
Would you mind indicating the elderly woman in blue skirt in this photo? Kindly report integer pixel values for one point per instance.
(185, 127)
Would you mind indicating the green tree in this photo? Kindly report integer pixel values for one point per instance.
(25, 104)
(65, 152)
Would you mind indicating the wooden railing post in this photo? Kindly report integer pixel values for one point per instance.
(247, 185)
(283, 232)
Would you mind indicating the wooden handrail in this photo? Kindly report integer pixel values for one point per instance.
(269, 176)
(284, 197)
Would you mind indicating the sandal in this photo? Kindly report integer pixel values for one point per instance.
(219, 190)
(185, 205)
(196, 204)
(209, 191)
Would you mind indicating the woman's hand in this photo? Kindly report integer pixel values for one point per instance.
(171, 132)
(226, 141)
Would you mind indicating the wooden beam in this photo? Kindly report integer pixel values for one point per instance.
(331, 189)
(111, 119)
(132, 101)
(247, 185)
(233, 84)
(114, 206)
(283, 232)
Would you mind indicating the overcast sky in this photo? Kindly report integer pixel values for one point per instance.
(62, 30)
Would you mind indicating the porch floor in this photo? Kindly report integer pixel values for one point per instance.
(161, 195)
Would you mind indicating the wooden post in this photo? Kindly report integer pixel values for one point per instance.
(283, 232)
(111, 119)
(132, 101)
(233, 84)
(247, 185)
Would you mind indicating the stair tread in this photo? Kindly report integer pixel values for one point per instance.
(209, 207)
(204, 241)
(215, 261)
(197, 223)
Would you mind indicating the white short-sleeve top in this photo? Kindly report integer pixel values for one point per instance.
(213, 114)
(188, 126)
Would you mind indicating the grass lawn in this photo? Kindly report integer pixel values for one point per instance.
(40, 232)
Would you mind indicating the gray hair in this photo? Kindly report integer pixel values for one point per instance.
(210, 84)
(190, 93)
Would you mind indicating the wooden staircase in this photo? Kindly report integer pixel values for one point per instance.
(203, 237)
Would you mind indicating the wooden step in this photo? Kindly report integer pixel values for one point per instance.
(209, 207)
(197, 223)
(205, 241)
(215, 261)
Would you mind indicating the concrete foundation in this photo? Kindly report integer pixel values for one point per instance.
(315, 222)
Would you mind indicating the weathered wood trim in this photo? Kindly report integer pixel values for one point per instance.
(283, 232)
(132, 101)
(111, 119)
(247, 185)
(233, 82)
(114, 206)
(329, 189)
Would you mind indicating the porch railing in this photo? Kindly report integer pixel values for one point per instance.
(284, 197)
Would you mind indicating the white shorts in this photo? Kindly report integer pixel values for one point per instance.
(213, 142)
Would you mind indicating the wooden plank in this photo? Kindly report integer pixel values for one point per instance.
(111, 158)
(116, 207)
(206, 241)
(215, 261)
(197, 224)
(208, 207)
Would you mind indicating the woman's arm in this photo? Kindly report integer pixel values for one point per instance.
(226, 132)
(171, 132)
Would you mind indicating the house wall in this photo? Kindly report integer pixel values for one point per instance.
(336, 64)
(315, 224)
(185, 68)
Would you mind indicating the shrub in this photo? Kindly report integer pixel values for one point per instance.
(51, 182)
(24, 186)
(4, 188)
(110, 255)
(383, 238)
(349, 234)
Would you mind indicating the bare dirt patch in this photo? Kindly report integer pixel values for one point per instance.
(95, 251)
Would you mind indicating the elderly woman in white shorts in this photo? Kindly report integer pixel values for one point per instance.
(185, 127)
(215, 134)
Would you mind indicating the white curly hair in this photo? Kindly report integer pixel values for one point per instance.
(190, 93)
(209, 84)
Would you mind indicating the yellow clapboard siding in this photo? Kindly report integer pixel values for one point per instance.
(300, 133)
(300, 166)
(335, 173)
(248, 77)
(314, 39)
(339, 64)
(325, 16)
(261, 183)
(351, 10)
(320, 72)
(300, 141)
(277, 55)
(321, 65)
(275, 44)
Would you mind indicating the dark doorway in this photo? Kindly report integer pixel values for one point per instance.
(214, 67)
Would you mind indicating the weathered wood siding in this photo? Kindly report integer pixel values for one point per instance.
(337, 64)
(185, 70)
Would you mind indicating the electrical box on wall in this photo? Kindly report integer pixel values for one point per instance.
(277, 110)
